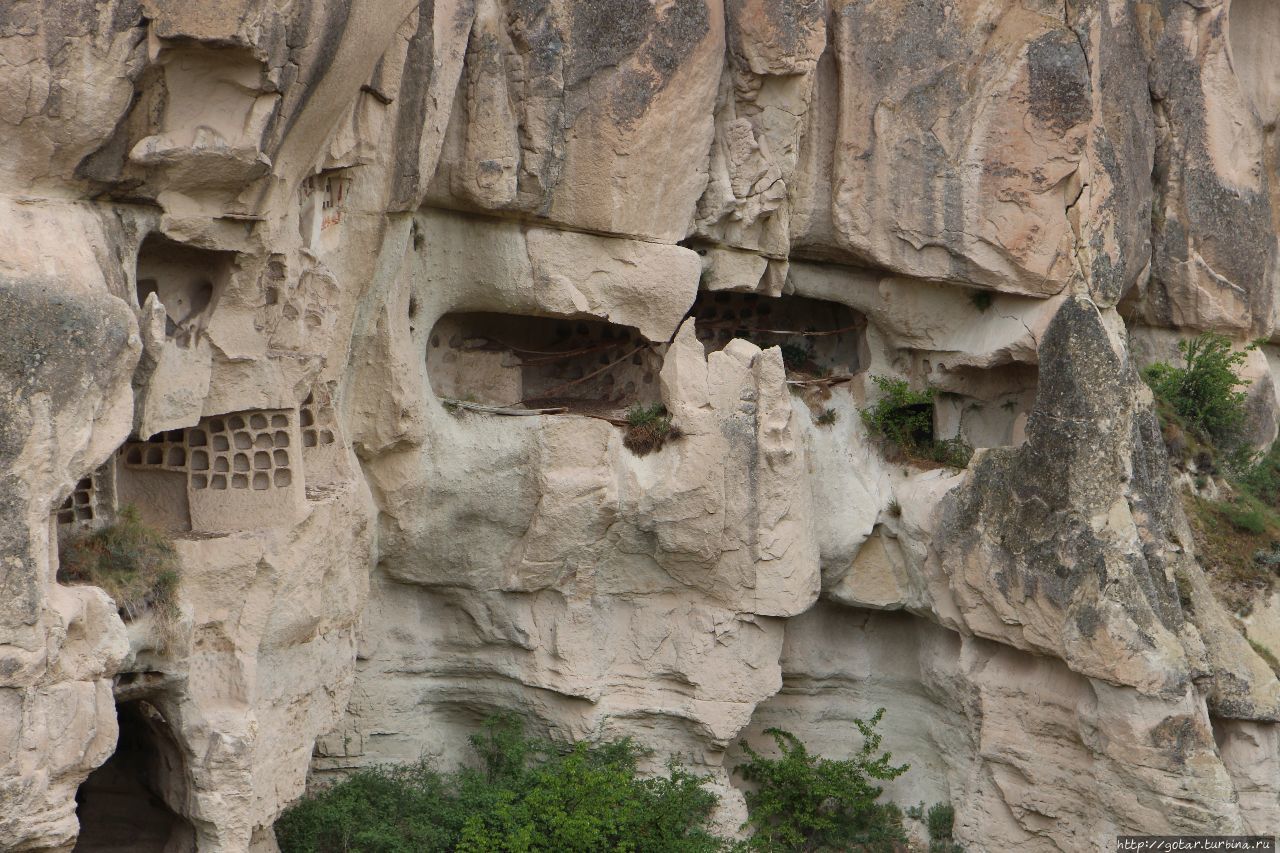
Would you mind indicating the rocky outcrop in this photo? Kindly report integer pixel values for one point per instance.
(353, 299)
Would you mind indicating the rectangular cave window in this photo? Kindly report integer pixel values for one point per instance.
(151, 475)
(164, 451)
(983, 406)
(322, 205)
(819, 340)
(585, 366)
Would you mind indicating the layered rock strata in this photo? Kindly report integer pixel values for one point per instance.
(352, 297)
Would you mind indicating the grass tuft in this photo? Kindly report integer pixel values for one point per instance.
(649, 427)
(135, 563)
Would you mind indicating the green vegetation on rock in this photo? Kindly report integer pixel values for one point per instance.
(532, 795)
(648, 428)
(1202, 414)
(135, 563)
(527, 795)
(1203, 394)
(904, 419)
(802, 802)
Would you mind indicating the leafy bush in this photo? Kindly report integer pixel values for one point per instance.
(952, 452)
(904, 418)
(1203, 394)
(648, 428)
(827, 418)
(528, 795)
(134, 562)
(940, 820)
(803, 802)
(1203, 417)
(532, 795)
(1245, 515)
(1238, 538)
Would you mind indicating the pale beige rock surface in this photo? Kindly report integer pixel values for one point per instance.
(267, 268)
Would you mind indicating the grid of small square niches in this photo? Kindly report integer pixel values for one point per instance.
(316, 420)
(164, 451)
(244, 451)
(80, 505)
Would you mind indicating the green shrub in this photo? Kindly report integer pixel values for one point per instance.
(904, 418)
(952, 452)
(1203, 393)
(528, 795)
(827, 418)
(1245, 515)
(134, 562)
(803, 802)
(940, 821)
(1262, 479)
(1227, 540)
(531, 795)
(648, 428)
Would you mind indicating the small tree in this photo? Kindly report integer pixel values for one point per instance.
(803, 802)
(1203, 394)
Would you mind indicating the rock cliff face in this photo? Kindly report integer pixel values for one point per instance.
(278, 274)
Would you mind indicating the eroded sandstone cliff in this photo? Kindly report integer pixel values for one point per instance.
(277, 273)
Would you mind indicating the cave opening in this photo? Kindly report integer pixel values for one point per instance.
(583, 366)
(186, 280)
(983, 406)
(127, 804)
(818, 339)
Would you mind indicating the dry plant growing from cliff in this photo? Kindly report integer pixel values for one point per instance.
(648, 428)
(135, 564)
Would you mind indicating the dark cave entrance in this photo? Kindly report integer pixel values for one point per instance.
(124, 805)
(817, 338)
(584, 366)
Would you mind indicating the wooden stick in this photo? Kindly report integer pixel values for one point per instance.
(824, 380)
(553, 391)
(500, 410)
